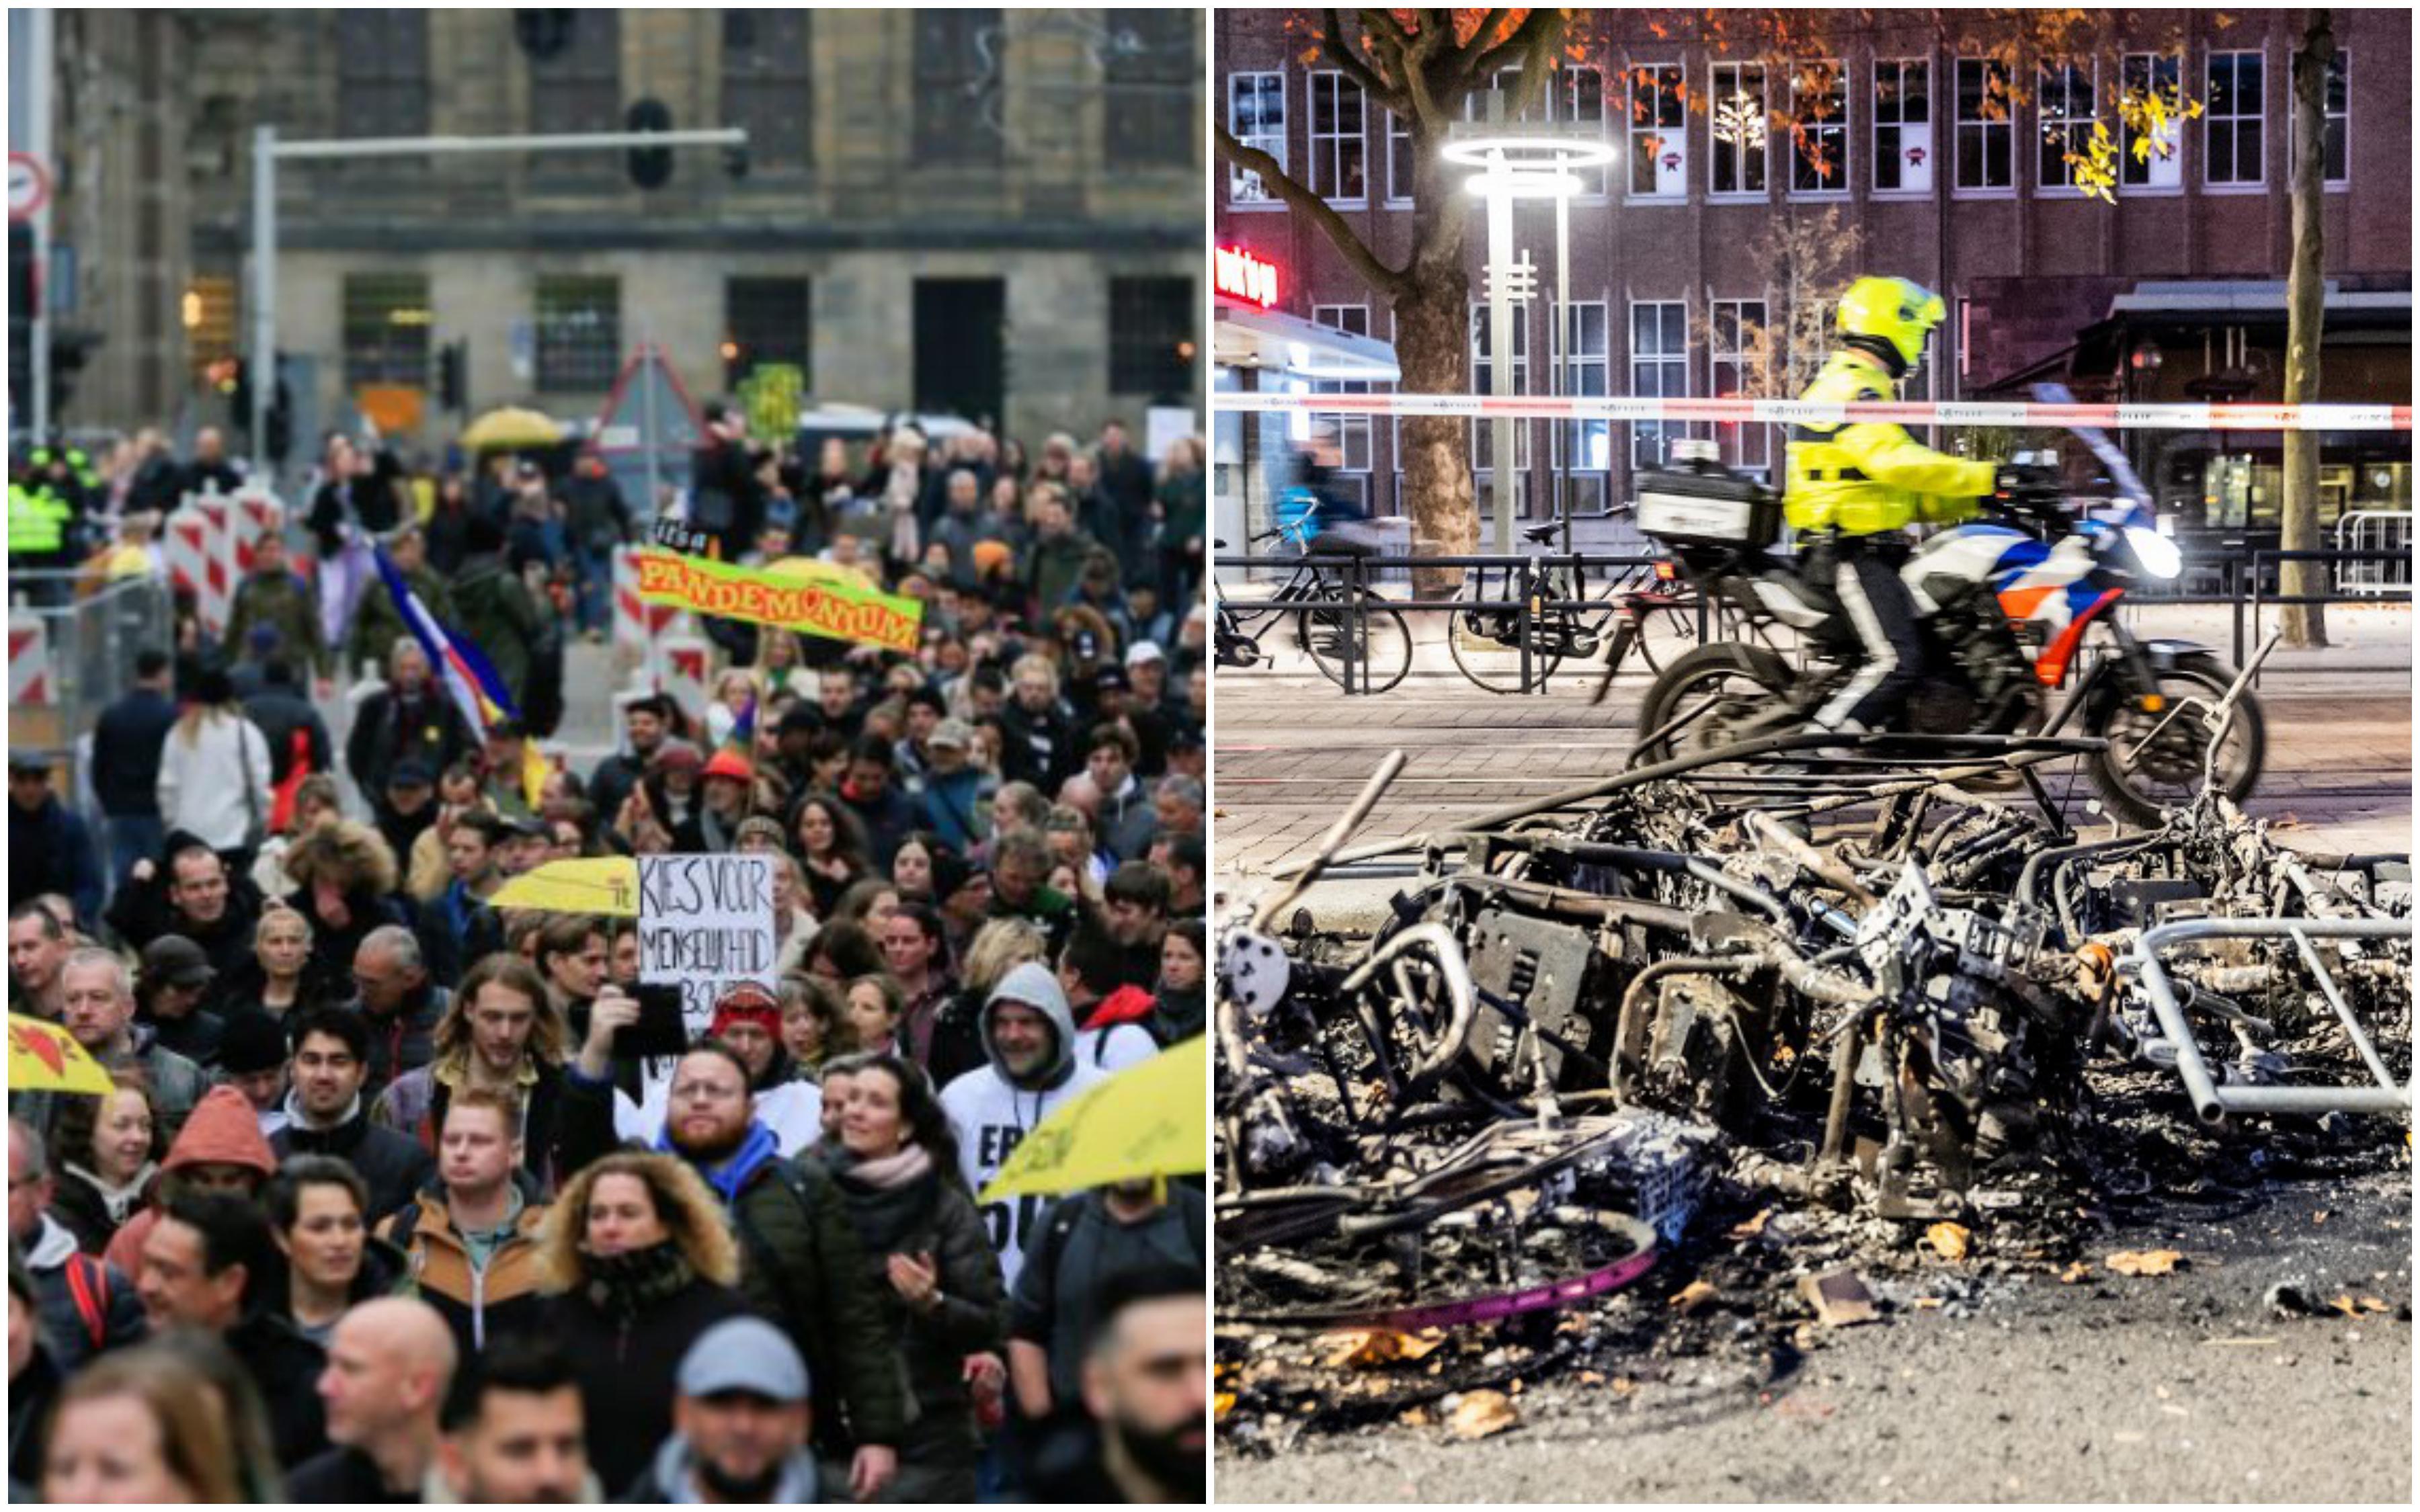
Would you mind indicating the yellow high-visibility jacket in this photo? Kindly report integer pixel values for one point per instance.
(1868, 477)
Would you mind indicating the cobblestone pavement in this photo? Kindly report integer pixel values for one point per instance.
(1291, 750)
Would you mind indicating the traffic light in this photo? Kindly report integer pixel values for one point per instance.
(453, 377)
(25, 293)
(69, 350)
(650, 167)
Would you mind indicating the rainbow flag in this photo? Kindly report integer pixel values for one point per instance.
(470, 680)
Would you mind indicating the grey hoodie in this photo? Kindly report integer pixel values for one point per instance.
(668, 1481)
(991, 1115)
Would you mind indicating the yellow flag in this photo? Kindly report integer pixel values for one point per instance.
(45, 1057)
(595, 885)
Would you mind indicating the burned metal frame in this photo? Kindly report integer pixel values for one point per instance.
(2212, 1100)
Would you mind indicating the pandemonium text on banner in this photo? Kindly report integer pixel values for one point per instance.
(810, 596)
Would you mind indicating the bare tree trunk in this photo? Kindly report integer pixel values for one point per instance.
(2305, 624)
(1433, 347)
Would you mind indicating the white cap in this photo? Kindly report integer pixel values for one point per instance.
(1143, 651)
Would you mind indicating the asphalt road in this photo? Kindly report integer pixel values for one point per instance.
(2183, 1387)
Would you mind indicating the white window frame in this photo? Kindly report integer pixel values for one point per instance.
(2333, 117)
(1329, 151)
(1845, 129)
(1664, 431)
(2165, 175)
(1577, 366)
(1899, 126)
(1398, 130)
(1353, 432)
(2006, 125)
(1735, 447)
(2212, 119)
(1481, 429)
(1652, 130)
(2078, 128)
(1565, 109)
(1716, 149)
(1275, 145)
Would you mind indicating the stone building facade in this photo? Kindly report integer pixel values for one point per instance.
(1671, 244)
(990, 213)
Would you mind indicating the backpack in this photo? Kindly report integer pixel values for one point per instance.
(1068, 1213)
(88, 1287)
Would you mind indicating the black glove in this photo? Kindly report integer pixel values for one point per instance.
(2025, 480)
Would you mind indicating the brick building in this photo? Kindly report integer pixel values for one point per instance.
(993, 212)
(2176, 289)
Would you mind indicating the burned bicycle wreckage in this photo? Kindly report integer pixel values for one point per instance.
(1882, 995)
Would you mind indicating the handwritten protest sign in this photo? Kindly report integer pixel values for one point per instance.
(813, 597)
(706, 924)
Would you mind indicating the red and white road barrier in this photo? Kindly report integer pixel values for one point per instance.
(200, 551)
(210, 541)
(30, 660)
(688, 663)
(636, 622)
(2345, 417)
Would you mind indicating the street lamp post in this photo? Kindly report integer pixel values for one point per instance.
(268, 152)
(1534, 162)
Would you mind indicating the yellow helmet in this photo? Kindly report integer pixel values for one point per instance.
(1895, 310)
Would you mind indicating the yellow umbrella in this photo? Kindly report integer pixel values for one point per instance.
(1152, 1119)
(597, 884)
(45, 1057)
(510, 429)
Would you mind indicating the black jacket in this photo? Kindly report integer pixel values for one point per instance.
(141, 913)
(405, 1039)
(80, 1208)
(281, 712)
(1039, 749)
(626, 1371)
(802, 1266)
(286, 1367)
(30, 1396)
(932, 1216)
(344, 1477)
(52, 850)
(389, 728)
(126, 746)
(393, 1165)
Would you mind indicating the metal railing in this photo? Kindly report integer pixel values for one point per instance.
(92, 640)
(1352, 571)
(2247, 575)
(2375, 530)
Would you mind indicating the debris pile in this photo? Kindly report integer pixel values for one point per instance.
(1808, 1062)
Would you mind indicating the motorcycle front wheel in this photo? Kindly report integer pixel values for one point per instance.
(2154, 764)
(1702, 694)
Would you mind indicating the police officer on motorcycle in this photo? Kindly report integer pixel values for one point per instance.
(1853, 488)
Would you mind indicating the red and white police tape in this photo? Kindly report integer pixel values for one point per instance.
(2344, 417)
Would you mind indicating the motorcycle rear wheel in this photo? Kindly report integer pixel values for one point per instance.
(1700, 688)
(2142, 784)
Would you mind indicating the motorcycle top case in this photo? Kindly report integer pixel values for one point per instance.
(1703, 503)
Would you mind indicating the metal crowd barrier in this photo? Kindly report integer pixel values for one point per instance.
(2247, 575)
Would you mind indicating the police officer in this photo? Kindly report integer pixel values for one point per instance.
(1854, 488)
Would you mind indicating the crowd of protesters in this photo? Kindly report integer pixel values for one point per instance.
(381, 1206)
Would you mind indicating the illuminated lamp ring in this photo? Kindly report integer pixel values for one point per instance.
(1528, 152)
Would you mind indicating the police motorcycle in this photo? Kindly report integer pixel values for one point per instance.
(2008, 603)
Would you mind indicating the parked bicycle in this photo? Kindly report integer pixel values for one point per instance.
(1315, 603)
(1643, 611)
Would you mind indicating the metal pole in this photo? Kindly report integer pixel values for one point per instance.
(264, 294)
(1563, 334)
(39, 138)
(655, 500)
(1501, 336)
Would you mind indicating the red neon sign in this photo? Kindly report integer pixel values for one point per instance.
(1237, 274)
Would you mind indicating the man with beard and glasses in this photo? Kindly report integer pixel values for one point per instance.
(741, 1424)
(514, 1432)
(1146, 1385)
(802, 1264)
